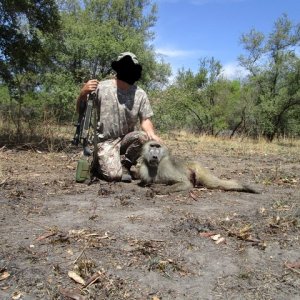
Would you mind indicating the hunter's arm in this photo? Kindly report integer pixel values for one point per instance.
(147, 126)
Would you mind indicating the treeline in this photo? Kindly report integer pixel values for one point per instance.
(265, 103)
(49, 48)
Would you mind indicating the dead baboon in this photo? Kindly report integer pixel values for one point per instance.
(172, 175)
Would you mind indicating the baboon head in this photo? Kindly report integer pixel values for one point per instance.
(153, 152)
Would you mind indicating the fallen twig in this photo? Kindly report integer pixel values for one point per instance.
(71, 294)
(241, 237)
(3, 181)
(81, 253)
(93, 279)
(3, 148)
(46, 235)
(193, 196)
(293, 267)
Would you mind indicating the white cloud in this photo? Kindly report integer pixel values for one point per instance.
(234, 71)
(188, 59)
(169, 52)
(200, 2)
(180, 58)
(169, 1)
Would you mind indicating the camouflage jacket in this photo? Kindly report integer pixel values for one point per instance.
(118, 110)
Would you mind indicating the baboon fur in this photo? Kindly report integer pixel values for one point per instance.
(168, 174)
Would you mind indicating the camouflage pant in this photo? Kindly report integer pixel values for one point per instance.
(111, 153)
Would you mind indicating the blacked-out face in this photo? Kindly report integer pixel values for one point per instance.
(154, 153)
(127, 70)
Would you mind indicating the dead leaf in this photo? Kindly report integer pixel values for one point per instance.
(215, 237)
(16, 295)
(207, 234)
(76, 277)
(262, 210)
(76, 232)
(4, 276)
(220, 240)
(70, 251)
(294, 265)
(245, 229)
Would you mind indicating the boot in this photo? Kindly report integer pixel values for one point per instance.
(126, 165)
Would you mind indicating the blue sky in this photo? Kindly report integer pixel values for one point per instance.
(187, 30)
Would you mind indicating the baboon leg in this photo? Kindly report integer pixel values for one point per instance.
(168, 189)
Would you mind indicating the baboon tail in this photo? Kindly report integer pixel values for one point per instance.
(203, 177)
(249, 189)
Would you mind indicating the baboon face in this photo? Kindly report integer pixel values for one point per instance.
(153, 153)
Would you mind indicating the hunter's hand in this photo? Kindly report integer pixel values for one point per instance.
(89, 87)
(154, 137)
(147, 126)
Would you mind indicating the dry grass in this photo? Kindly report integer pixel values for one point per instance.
(236, 146)
(47, 135)
(54, 137)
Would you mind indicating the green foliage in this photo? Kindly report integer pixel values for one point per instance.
(44, 71)
(4, 93)
(25, 25)
(274, 69)
(49, 48)
(21, 22)
(58, 97)
(264, 104)
(96, 33)
(202, 102)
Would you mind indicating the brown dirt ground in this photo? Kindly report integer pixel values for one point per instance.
(147, 246)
